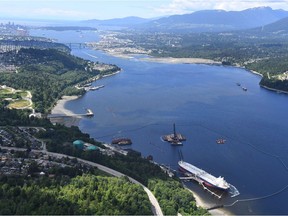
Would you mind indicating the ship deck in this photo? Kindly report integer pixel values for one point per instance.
(199, 173)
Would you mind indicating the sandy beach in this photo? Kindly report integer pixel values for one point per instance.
(59, 109)
(200, 202)
(60, 106)
(170, 60)
(166, 60)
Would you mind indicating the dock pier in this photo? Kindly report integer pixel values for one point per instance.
(89, 113)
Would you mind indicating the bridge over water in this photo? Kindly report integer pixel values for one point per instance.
(78, 45)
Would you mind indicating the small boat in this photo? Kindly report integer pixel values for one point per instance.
(96, 87)
(220, 141)
(244, 89)
(122, 141)
(238, 84)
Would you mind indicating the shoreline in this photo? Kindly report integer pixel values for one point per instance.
(274, 90)
(171, 60)
(266, 87)
(164, 60)
(59, 109)
(200, 202)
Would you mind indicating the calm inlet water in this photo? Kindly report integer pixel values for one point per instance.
(145, 99)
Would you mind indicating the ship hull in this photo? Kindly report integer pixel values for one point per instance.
(202, 180)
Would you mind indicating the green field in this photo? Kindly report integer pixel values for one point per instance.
(17, 98)
(19, 104)
(5, 91)
(23, 94)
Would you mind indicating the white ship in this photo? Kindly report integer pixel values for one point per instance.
(203, 177)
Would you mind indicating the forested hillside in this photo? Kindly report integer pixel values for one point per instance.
(87, 194)
(48, 74)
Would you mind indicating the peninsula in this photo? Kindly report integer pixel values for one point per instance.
(265, 53)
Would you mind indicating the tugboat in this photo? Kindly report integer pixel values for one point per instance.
(175, 138)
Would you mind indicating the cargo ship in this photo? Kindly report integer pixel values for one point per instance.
(203, 177)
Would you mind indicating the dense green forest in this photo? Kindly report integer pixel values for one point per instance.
(48, 74)
(81, 195)
(19, 118)
(174, 198)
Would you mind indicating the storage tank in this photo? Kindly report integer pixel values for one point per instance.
(79, 144)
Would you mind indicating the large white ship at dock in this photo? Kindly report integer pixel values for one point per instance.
(203, 177)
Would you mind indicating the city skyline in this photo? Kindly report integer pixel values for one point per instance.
(109, 9)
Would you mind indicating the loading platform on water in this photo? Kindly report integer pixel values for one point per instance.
(175, 138)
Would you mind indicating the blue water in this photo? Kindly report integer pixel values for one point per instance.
(145, 99)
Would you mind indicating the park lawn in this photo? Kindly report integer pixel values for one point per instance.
(23, 94)
(5, 91)
(19, 104)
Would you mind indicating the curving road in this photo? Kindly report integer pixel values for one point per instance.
(154, 203)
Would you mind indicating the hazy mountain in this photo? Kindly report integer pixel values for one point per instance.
(278, 27)
(216, 20)
(119, 22)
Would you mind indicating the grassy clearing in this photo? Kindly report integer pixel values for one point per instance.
(5, 91)
(24, 94)
(19, 104)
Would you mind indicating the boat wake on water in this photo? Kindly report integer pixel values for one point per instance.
(233, 191)
(90, 55)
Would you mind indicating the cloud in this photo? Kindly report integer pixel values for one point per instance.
(188, 6)
(58, 13)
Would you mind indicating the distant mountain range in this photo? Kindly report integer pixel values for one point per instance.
(216, 20)
(118, 22)
(200, 21)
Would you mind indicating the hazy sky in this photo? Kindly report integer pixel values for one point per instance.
(106, 9)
